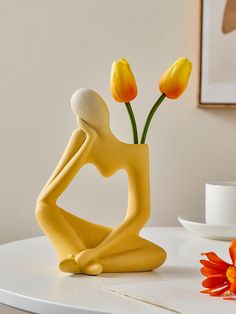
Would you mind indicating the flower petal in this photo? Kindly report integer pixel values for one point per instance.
(233, 287)
(206, 291)
(214, 258)
(209, 272)
(232, 251)
(211, 265)
(218, 292)
(214, 282)
(230, 298)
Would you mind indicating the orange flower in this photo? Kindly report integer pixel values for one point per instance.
(174, 81)
(221, 276)
(122, 84)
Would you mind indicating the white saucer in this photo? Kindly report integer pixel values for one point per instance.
(195, 222)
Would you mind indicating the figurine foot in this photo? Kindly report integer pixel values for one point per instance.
(92, 269)
(69, 266)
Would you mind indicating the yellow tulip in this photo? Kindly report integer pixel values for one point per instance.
(123, 85)
(174, 81)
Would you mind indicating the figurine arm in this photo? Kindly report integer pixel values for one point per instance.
(76, 140)
(130, 227)
(69, 165)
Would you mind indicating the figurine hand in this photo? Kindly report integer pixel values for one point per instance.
(84, 257)
(88, 128)
(87, 262)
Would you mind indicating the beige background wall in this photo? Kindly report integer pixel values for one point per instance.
(51, 48)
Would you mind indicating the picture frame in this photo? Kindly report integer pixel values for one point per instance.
(217, 50)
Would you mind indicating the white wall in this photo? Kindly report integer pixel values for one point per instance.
(51, 48)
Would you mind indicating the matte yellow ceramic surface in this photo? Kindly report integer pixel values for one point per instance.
(83, 246)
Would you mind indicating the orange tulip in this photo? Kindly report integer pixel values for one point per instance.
(221, 276)
(174, 81)
(123, 85)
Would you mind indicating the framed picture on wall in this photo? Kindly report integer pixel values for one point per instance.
(217, 79)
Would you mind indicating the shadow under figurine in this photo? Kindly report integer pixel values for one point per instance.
(83, 246)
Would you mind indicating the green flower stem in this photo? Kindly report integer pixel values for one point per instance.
(150, 116)
(133, 122)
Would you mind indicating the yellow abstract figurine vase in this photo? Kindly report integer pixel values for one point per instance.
(83, 246)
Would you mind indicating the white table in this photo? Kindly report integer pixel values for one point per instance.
(31, 281)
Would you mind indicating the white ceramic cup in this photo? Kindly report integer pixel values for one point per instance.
(220, 203)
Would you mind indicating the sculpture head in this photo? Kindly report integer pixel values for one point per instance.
(90, 107)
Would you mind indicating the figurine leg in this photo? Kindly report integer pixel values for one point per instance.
(144, 257)
(91, 234)
(68, 233)
(59, 231)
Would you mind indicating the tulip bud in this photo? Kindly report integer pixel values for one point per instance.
(174, 81)
(122, 84)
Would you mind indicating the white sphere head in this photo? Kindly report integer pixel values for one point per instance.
(90, 106)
